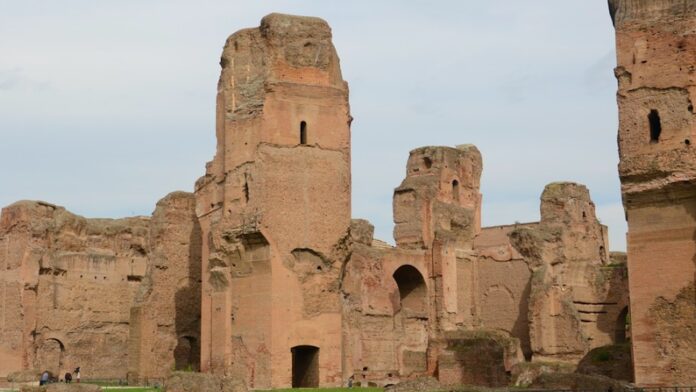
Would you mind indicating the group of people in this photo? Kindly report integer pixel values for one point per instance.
(46, 377)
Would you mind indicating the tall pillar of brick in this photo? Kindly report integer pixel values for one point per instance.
(656, 72)
(274, 207)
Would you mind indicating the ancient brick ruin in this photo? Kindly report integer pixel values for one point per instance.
(656, 65)
(262, 274)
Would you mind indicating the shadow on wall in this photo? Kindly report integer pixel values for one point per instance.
(612, 317)
(187, 320)
(520, 329)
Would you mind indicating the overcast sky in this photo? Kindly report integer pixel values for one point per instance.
(107, 106)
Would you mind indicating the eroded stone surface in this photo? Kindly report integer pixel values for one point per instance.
(577, 295)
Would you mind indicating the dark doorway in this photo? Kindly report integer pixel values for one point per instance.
(186, 354)
(305, 367)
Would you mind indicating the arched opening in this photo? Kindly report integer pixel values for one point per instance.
(186, 354)
(427, 162)
(622, 332)
(655, 126)
(49, 355)
(455, 190)
(303, 132)
(305, 366)
(413, 293)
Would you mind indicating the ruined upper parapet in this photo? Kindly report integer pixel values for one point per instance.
(568, 225)
(283, 49)
(566, 202)
(642, 11)
(439, 196)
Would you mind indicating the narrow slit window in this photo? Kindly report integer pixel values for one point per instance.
(303, 132)
(455, 190)
(655, 126)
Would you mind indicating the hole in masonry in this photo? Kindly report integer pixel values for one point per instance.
(655, 125)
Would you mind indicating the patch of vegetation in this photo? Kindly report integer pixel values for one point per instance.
(105, 383)
(602, 356)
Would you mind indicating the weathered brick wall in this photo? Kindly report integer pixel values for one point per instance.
(656, 55)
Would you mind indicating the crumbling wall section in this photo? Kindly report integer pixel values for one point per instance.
(387, 310)
(68, 288)
(439, 198)
(500, 283)
(478, 357)
(575, 294)
(165, 324)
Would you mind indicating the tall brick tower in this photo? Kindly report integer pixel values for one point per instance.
(274, 208)
(656, 72)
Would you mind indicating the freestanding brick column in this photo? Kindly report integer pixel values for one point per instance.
(656, 70)
(274, 207)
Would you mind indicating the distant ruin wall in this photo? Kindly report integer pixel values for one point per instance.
(70, 283)
(73, 281)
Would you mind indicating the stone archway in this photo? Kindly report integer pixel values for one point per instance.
(413, 293)
(50, 354)
(411, 321)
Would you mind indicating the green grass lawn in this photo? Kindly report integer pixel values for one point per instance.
(354, 389)
(132, 389)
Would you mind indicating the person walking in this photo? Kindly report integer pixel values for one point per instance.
(44, 378)
(77, 374)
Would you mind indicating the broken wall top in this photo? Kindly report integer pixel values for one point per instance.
(283, 49)
(649, 11)
(566, 202)
(439, 198)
